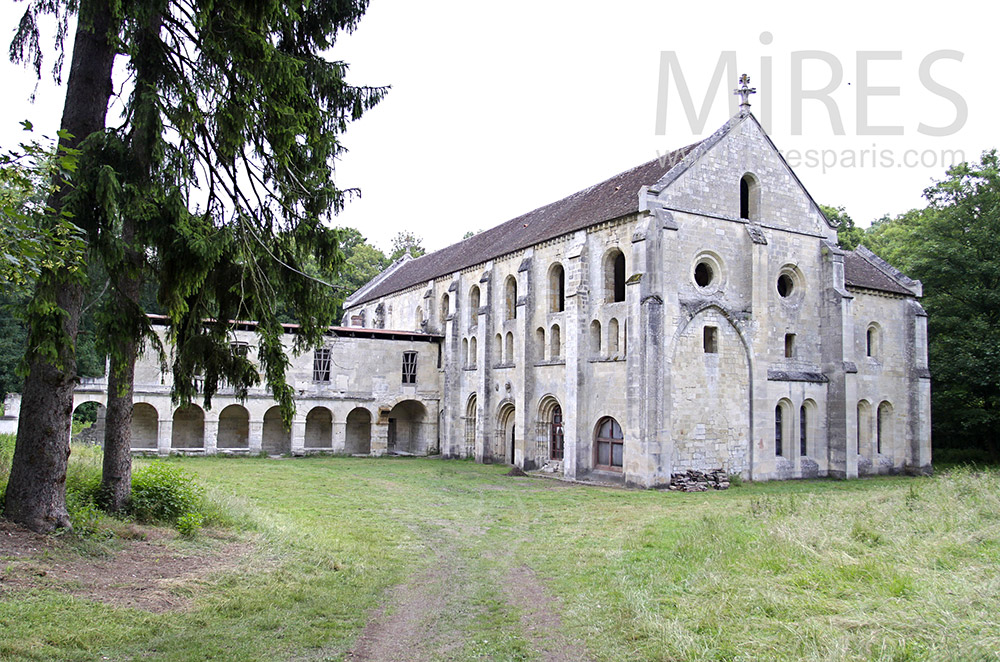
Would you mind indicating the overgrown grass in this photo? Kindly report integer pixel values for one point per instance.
(878, 569)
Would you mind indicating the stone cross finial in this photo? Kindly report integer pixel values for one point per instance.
(744, 91)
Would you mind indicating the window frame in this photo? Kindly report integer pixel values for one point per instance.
(409, 371)
(611, 442)
(321, 356)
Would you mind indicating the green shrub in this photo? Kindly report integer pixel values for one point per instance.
(189, 524)
(163, 493)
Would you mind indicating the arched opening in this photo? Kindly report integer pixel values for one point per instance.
(550, 434)
(540, 343)
(188, 430)
(555, 342)
(473, 352)
(609, 445)
(88, 422)
(873, 345)
(234, 427)
(883, 429)
(465, 352)
(782, 424)
(276, 440)
(864, 428)
(749, 197)
(319, 428)
(505, 432)
(445, 310)
(613, 341)
(474, 304)
(509, 348)
(614, 276)
(805, 434)
(595, 338)
(418, 319)
(145, 426)
(358, 435)
(510, 298)
(471, 417)
(557, 288)
(406, 428)
(498, 349)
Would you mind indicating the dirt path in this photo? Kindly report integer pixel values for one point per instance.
(540, 618)
(433, 615)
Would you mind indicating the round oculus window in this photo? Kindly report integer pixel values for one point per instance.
(704, 274)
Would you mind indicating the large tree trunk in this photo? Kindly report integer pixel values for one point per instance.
(36, 490)
(116, 477)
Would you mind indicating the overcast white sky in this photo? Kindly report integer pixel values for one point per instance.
(498, 108)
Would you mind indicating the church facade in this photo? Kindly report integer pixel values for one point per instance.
(694, 312)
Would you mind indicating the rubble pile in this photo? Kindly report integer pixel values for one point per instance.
(699, 481)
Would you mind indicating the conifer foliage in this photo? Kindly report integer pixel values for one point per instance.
(218, 182)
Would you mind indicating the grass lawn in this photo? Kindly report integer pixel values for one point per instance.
(454, 560)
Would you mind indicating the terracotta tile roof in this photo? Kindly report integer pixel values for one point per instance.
(611, 199)
(861, 270)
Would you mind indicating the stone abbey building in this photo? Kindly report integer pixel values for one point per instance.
(694, 312)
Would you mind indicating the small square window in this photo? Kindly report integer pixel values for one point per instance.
(789, 345)
(711, 340)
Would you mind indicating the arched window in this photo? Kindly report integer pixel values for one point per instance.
(470, 425)
(873, 338)
(473, 352)
(418, 318)
(510, 298)
(556, 434)
(557, 289)
(595, 338)
(498, 349)
(803, 431)
(613, 336)
(614, 276)
(465, 352)
(445, 310)
(509, 348)
(609, 445)
(473, 304)
(883, 428)
(749, 197)
(864, 427)
(783, 421)
(779, 431)
(540, 343)
(555, 342)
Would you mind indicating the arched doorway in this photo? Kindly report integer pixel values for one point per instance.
(549, 446)
(319, 428)
(145, 424)
(189, 428)
(406, 428)
(358, 439)
(234, 427)
(505, 433)
(276, 439)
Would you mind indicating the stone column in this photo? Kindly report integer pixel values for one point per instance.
(485, 398)
(164, 431)
(298, 433)
(523, 363)
(211, 435)
(380, 436)
(255, 440)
